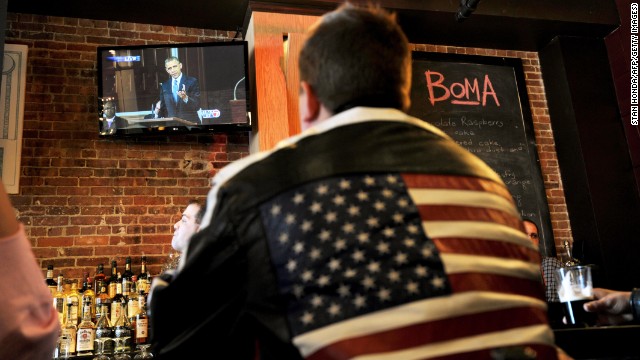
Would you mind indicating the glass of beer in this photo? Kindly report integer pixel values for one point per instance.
(575, 288)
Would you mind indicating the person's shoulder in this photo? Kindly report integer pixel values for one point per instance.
(552, 261)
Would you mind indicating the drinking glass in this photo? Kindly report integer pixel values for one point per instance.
(121, 349)
(100, 355)
(575, 288)
(144, 352)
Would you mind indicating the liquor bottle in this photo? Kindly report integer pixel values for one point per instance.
(67, 289)
(69, 330)
(90, 296)
(127, 275)
(122, 330)
(99, 276)
(82, 288)
(59, 299)
(62, 347)
(142, 321)
(132, 301)
(104, 329)
(51, 284)
(73, 297)
(116, 302)
(102, 299)
(86, 331)
(113, 279)
(143, 283)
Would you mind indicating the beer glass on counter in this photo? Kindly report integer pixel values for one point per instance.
(575, 287)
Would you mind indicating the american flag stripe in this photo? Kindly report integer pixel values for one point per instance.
(423, 181)
(476, 229)
(468, 213)
(456, 263)
(463, 198)
(484, 247)
(499, 283)
(540, 351)
(521, 335)
(414, 337)
(419, 313)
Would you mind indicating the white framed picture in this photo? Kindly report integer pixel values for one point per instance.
(12, 93)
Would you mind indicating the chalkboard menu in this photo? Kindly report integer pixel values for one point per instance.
(482, 103)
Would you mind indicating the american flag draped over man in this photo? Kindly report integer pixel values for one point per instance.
(356, 266)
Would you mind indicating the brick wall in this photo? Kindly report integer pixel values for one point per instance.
(86, 200)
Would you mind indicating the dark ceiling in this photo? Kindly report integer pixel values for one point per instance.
(497, 24)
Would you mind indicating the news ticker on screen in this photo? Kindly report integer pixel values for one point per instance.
(634, 63)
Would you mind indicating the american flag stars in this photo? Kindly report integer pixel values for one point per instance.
(349, 246)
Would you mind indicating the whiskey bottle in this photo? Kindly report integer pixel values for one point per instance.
(85, 276)
(132, 302)
(142, 321)
(113, 279)
(69, 331)
(102, 299)
(86, 331)
(51, 284)
(116, 302)
(104, 330)
(59, 299)
(143, 283)
(89, 296)
(73, 297)
(127, 277)
(99, 276)
(122, 330)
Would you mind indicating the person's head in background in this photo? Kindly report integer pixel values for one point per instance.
(188, 225)
(531, 229)
(109, 110)
(353, 57)
(173, 66)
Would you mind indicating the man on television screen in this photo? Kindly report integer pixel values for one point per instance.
(181, 94)
(109, 123)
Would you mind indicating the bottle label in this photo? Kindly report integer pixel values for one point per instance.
(70, 334)
(132, 307)
(115, 311)
(142, 328)
(122, 331)
(104, 333)
(143, 285)
(73, 315)
(64, 347)
(86, 336)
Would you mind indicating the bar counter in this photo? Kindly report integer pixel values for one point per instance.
(600, 342)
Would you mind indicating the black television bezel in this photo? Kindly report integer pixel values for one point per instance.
(177, 130)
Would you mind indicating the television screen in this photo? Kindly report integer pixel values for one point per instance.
(173, 88)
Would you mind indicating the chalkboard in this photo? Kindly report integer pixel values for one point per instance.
(482, 103)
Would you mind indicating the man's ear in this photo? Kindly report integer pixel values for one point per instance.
(309, 105)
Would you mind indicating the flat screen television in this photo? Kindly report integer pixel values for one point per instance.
(173, 88)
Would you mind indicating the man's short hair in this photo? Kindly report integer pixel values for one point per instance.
(171, 58)
(358, 56)
(200, 213)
